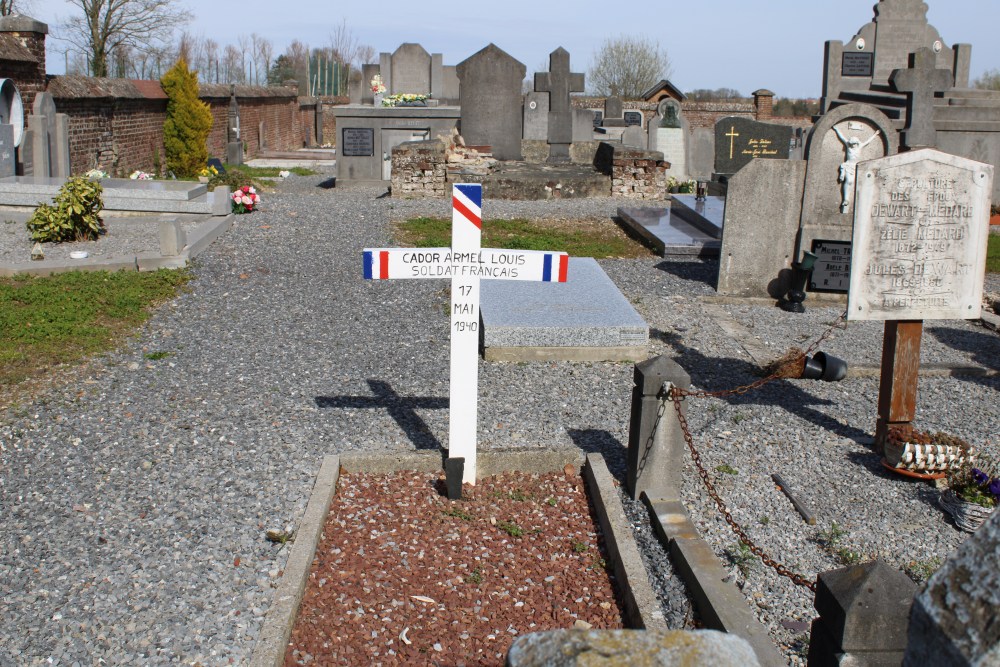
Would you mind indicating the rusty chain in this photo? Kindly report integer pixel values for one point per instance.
(677, 395)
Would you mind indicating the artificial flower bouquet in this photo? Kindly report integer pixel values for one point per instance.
(245, 199)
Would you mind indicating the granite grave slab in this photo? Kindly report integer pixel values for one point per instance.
(668, 234)
(583, 319)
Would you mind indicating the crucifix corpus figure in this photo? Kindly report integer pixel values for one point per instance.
(849, 167)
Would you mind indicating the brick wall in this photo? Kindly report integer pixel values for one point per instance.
(117, 124)
(635, 174)
(419, 169)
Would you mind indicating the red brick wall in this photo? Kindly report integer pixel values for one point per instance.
(283, 124)
(117, 135)
(121, 135)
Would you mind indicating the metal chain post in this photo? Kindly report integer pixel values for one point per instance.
(677, 395)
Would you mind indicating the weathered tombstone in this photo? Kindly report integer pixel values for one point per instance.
(583, 125)
(559, 82)
(633, 118)
(739, 140)
(918, 252)
(59, 146)
(234, 144)
(634, 137)
(490, 89)
(536, 116)
(613, 114)
(8, 160)
(763, 207)
(955, 619)
(465, 263)
(667, 133)
(831, 161)
(411, 70)
(921, 82)
(701, 150)
(43, 124)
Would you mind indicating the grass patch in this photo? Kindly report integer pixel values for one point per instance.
(269, 172)
(993, 254)
(510, 528)
(597, 239)
(63, 318)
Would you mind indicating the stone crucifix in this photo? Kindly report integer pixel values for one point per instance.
(922, 81)
(849, 167)
(559, 82)
(465, 263)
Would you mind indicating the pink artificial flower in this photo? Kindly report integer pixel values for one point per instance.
(247, 201)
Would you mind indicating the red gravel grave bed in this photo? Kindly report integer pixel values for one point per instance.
(402, 575)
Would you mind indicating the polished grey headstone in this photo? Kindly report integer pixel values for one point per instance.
(586, 311)
(707, 215)
(667, 234)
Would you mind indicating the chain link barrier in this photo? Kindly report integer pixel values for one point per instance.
(677, 395)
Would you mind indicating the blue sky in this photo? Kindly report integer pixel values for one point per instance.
(741, 44)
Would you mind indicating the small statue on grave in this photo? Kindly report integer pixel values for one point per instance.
(848, 168)
(669, 113)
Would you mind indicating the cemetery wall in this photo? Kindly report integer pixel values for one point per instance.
(22, 56)
(419, 169)
(117, 124)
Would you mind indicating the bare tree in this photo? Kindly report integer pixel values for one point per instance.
(627, 66)
(232, 65)
(262, 54)
(348, 51)
(990, 80)
(106, 25)
(8, 7)
(244, 43)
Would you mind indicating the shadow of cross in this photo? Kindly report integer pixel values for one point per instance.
(403, 410)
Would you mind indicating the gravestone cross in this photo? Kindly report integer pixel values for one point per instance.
(901, 338)
(921, 83)
(559, 82)
(465, 263)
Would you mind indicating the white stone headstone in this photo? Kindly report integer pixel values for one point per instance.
(921, 228)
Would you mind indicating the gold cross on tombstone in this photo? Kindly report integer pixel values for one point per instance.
(732, 140)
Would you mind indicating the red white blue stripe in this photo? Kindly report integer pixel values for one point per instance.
(467, 202)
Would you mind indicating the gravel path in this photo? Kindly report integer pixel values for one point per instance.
(135, 499)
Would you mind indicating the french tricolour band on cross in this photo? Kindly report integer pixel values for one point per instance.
(465, 263)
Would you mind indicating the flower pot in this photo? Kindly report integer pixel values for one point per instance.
(967, 516)
(378, 100)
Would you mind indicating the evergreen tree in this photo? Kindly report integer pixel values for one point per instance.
(189, 120)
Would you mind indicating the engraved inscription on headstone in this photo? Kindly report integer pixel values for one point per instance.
(920, 235)
(739, 140)
(832, 272)
(633, 118)
(858, 64)
(357, 142)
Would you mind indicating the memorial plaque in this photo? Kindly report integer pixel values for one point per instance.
(858, 64)
(598, 117)
(633, 118)
(357, 142)
(920, 235)
(739, 140)
(832, 272)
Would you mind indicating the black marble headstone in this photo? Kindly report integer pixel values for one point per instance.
(739, 140)
(633, 118)
(357, 142)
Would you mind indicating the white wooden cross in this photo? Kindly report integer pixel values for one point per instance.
(465, 262)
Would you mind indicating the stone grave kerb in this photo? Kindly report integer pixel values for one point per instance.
(922, 82)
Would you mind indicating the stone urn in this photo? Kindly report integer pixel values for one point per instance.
(378, 99)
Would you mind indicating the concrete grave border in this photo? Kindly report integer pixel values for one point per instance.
(196, 242)
(641, 608)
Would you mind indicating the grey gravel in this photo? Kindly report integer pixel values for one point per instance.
(129, 492)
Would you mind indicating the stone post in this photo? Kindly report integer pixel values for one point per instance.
(655, 440)
(956, 617)
(863, 615)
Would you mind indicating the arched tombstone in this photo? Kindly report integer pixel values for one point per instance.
(667, 133)
(11, 126)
